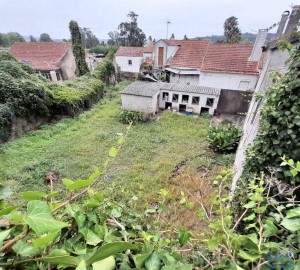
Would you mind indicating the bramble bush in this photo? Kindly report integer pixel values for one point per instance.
(130, 116)
(224, 138)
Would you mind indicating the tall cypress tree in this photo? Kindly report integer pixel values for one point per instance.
(78, 51)
(232, 31)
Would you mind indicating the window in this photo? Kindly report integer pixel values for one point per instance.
(210, 102)
(165, 96)
(244, 85)
(130, 62)
(58, 76)
(196, 100)
(46, 74)
(185, 98)
(175, 98)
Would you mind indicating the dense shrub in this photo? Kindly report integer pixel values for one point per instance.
(130, 116)
(103, 49)
(6, 56)
(24, 97)
(14, 69)
(104, 71)
(224, 139)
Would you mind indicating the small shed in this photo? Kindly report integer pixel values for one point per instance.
(189, 98)
(141, 96)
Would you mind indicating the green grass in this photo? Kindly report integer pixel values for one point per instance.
(74, 146)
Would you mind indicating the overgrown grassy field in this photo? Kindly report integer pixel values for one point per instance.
(145, 164)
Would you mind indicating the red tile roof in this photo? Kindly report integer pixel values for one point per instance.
(191, 53)
(41, 55)
(225, 58)
(135, 51)
(230, 58)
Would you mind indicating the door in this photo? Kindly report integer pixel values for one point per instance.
(182, 108)
(160, 56)
(168, 106)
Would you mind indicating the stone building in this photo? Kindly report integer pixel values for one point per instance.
(55, 61)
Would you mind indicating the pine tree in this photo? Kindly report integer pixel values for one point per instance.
(32, 38)
(172, 36)
(185, 37)
(232, 32)
(78, 51)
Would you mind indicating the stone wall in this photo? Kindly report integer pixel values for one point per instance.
(234, 101)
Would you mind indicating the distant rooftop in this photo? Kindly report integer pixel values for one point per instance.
(149, 89)
(40, 55)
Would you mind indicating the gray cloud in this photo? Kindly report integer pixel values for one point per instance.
(190, 17)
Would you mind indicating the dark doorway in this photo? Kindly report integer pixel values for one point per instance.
(182, 108)
(204, 111)
(160, 57)
(168, 105)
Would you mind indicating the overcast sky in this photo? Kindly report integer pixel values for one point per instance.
(190, 17)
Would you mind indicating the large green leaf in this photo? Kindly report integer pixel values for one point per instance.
(184, 236)
(106, 264)
(293, 213)
(79, 184)
(7, 210)
(33, 195)
(269, 228)
(291, 224)
(140, 259)
(40, 219)
(45, 240)
(4, 192)
(90, 236)
(3, 235)
(25, 249)
(248, 256)
(59, 256)
(81, 266)
(153, 263)
(109, 250)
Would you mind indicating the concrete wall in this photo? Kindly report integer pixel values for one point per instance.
(184, 79)
(189, 105)
(228, 81)
(68, 65)
(275, 61)
(122, 63)
(234, 101)
(142, 104)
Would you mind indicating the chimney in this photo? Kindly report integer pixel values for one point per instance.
(293, 21)
(259, 42)
(282, 24)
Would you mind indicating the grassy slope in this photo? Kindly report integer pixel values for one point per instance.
(75, 146)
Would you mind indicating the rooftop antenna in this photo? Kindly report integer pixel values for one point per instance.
(168, 22)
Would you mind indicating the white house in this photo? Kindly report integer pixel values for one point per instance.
(149, 97)
(129, 59)
(55, 61)
(197, 62)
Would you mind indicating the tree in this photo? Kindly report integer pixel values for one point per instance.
(32, 38)
(232, 32)
(114, 37)
(172, 36)
(8, 39)
(78, 51)
(150, 39)
(89, 40)
(64, 40)
(45, 38)
(185, 37)
(129, 34)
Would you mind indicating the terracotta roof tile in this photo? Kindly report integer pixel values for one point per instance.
(230, 58)
(135, 51)
(191, 53)
(40, 55)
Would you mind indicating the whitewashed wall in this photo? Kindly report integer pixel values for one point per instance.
(189, 105)
(169, 52)
(122, 63)
(139, 103)
(228, 81)
(184, 79)
(68, 65)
